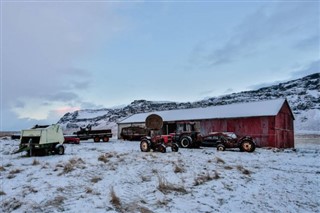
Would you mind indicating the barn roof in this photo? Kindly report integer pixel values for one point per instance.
(250, 109)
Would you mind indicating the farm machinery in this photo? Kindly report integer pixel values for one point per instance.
(156, 142)
(42, 140)
(189, 137)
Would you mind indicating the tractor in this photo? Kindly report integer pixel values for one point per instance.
(156, 142)
(188, 137)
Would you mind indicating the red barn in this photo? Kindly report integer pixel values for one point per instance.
(269, 122)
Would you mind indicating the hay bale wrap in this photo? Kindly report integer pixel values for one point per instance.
(154, 122)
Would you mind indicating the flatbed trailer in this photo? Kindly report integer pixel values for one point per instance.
(96, 135)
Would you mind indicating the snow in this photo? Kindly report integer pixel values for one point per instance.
(193, 180)
(85, 114)
(258, 108)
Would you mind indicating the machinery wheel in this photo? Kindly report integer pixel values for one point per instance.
(174, 147)
(60, 150)
(221, 147)
(247, 146)
(162, 148)
(145, 146)
(105, 139)
(96, 139)
(185, 142)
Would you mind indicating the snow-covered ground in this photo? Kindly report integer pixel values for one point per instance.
(118, 177)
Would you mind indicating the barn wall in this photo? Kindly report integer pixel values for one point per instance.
(257, 127)
(284, 128)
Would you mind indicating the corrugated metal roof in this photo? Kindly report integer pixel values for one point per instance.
(251, 109)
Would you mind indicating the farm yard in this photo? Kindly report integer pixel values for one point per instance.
(118, 177)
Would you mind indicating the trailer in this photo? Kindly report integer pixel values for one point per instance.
(97, 135)
(42, 140)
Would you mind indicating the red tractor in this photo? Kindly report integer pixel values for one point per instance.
(157, 142)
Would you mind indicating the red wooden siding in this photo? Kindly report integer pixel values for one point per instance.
(267, 131)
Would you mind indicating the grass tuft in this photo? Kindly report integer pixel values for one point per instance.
(166, 187)
(115, 200)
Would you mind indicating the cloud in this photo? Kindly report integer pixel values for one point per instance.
(41, 45)
(313, 67)
(260, 31)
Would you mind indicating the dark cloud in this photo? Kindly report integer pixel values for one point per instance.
(268, 25)
(63, 96)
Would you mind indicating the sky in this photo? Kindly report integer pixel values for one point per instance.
(60, 56)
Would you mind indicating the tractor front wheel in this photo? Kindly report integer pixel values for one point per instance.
(96, 139)
(162, 148)
(174, 147)
(105, 139)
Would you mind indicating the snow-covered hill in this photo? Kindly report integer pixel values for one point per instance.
(302, 94)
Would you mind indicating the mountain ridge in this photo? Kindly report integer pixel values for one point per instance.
(303, 95)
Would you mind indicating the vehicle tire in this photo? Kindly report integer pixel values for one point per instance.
(162, 148)
(247, 146)
(145, 146)
(221, 147)
(174, 147)
(96, 139)
(105, 139)
(185, 142)
(60, 150)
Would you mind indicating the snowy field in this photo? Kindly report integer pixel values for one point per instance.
(118, 177)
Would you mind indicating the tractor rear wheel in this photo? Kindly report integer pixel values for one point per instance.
(247, 146)
(145, 146)
(185, 142)
(105, 139)
(96, 139)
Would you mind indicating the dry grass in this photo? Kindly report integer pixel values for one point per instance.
(228, 167)
(166, 187)
(71, 165)
(95, 179)
(88, 190)
(2, 169)
(201, 179)
(243, 170)
(35, 162)
(145, 178)
(115, 200)
(15, 171)
(56, 202)
(178, 168)
(11, 205)
(219, 160)
(2, 193)
(103, 158)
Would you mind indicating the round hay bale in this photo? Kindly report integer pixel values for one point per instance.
(154, 121)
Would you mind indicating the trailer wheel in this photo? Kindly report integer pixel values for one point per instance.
(105, 139)
(60, 150)
(247, 146)
(174, 147)
(185, 142)
(96, 139)
(145, 146)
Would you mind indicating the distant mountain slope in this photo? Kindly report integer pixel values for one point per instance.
(302, 94)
